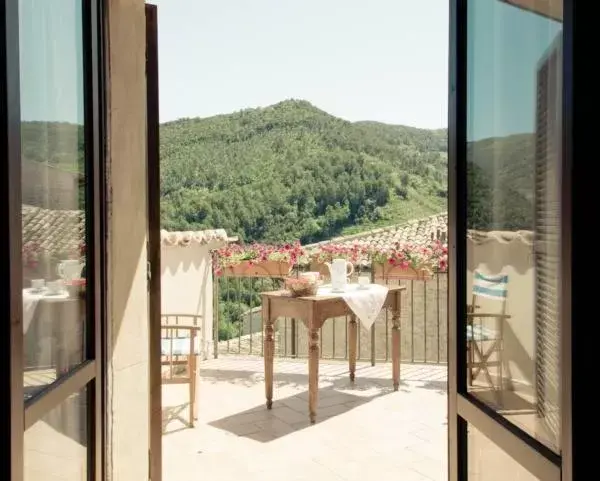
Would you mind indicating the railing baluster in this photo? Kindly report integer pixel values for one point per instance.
(412, 321)
(333, 339)
(346, 339)
(251, 304)
(425, 320)
(293, 338)
(240, 328)
(285, 330)
(228, 321)
(321, 342)
(437, 295)
(373, 344)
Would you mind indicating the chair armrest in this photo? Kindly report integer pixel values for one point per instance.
(178, 327)
(488, 315)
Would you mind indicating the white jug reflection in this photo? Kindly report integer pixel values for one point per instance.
(69, 269)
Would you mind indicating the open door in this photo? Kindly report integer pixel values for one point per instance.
(509, 313)
(154, 303)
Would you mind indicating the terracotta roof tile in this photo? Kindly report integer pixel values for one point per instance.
(418, 231)
(53, 231)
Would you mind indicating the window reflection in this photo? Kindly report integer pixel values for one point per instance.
(53, 174)
(513, 214)
(56, 447)
(487, 462)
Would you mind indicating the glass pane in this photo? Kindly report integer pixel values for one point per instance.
(487, 462)
(53, 180)
(56, 446)
(513, 214)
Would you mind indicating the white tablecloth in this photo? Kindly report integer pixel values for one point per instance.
(30, 301)
(365, 303)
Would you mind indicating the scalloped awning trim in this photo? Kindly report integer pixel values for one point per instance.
(187, 238)
(503, 237)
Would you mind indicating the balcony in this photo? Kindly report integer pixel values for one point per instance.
(365, 430)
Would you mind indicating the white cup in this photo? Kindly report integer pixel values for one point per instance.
(364, 281)
(55, 287)
(38, 284)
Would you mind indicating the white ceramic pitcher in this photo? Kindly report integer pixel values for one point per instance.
(69, 269)
(339, 271)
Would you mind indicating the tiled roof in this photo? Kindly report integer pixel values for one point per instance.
(63, 230)
(202, 237)
(53, 231)
(418, 231)
(503, 237)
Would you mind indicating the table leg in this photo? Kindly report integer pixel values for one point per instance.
(352, 345)
(396, 345)
(269, 352)
(313, 374)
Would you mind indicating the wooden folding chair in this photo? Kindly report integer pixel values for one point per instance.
(180, 346)
(484, 342)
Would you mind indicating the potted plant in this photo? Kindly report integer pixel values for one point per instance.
(321, 255)
(409, 261)
(257, 260)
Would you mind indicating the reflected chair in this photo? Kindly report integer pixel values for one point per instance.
(180, 347)
(485, 329)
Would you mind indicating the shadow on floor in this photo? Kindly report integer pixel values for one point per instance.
(291, 414)
(300, 379)
(175, 413)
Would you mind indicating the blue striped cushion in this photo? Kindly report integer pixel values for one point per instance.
(490, 286)
(481, 333)
(180, 346)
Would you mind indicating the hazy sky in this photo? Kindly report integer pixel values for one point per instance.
(506, 46)
(383, 60)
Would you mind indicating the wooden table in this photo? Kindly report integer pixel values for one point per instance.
(314, 311)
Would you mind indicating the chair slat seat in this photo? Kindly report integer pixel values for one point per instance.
(479, 333)
(179, 346)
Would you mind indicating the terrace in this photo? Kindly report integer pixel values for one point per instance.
(232, 420)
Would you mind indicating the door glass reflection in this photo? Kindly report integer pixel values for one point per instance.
(56, 447)
(53, 193)
(514, 131)
(487, 462)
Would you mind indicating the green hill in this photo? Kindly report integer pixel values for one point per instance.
(292, 171)
(501, 182)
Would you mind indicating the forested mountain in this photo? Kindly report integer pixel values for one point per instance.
(292, 171)
(501, 183)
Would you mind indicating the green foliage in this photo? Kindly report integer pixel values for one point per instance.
(237, 296)
(501, 183)
(58, 144)
(292, 171)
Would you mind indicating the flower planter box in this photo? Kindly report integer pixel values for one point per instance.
(258, 269)
(319, 267)
(391, 272)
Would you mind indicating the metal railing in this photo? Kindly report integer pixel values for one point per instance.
(238, 324)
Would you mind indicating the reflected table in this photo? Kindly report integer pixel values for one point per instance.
(314, 311)
(54, 337)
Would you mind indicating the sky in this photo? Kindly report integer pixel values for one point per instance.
(383, 60)
(51, 60)
(505, 48)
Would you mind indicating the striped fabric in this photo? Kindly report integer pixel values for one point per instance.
(490, 286)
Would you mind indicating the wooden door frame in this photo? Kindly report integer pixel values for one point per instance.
(464, 409)
(154, 242)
